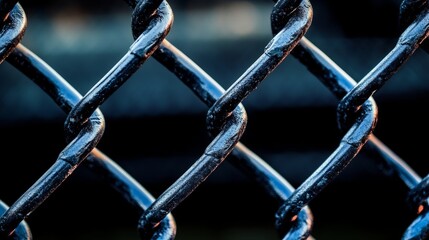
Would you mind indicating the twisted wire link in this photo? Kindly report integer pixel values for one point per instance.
(314, 59)
(349, 146)
(244, 159)
(91, 131)
(72, 155)
(224, 142)
(65, 96)
(407, 44)
(274, 53)
(339, 82)
(142, 48)
(415, 31)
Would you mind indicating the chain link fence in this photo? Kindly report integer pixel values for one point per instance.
(220, 137)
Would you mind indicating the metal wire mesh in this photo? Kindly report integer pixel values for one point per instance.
(226, 119)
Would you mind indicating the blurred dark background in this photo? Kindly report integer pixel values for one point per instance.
(155, 126)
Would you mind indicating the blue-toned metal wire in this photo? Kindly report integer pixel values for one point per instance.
(139, 52)
(275, 52)
(412, 37)
(208, 90)
(22, 231)
(408, 43)
(92, 128)
(12, 29)
(72, 155)
(65, 96)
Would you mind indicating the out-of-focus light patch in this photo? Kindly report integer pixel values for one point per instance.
(76, 31)
(228, 21)
(236, 19)
(68, 27)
